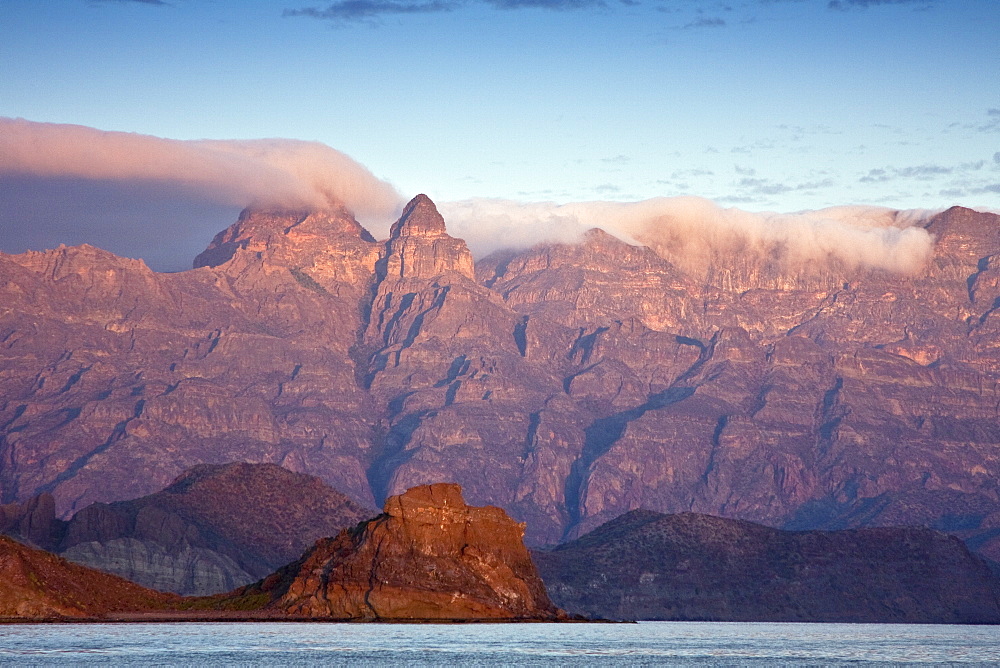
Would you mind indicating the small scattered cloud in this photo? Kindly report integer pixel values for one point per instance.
(848, 4)
(923, 171)
(705, 22)
(876, 176)
(753, 186)
(920, 172)
(926, 172)
(744, 171)
(359, 10)
(689, 173)
(161, 3)
(557, 5)
(763, 186)
(353, 10)
(993, 122)
(617, 160)
(738, 199)
(953, 181)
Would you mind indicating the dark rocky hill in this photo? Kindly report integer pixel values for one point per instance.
(567, 383)
(215, 528)
(646, 565)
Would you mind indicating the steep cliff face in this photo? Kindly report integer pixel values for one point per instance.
(428, 556)
(217, 527)
(567, 383)
(645, 565)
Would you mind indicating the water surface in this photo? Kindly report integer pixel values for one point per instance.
(648, 643)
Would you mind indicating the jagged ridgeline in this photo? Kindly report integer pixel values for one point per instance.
(566, 383)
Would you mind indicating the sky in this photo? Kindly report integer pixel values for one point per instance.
(763, 105)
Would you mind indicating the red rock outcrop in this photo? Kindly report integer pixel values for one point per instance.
(428, 556)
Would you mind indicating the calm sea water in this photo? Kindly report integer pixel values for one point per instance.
(649, 643)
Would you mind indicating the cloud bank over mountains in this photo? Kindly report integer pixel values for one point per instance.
(694, 232)
(163, 199)
(260, 172)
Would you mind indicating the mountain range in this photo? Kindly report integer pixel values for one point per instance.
(568, 383)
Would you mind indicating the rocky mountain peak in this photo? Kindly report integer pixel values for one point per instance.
(286, 237)
(419, 218)
(420, 247)
(965, 234)
(426, 500)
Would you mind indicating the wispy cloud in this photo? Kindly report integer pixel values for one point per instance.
(705, 22)
(688, 173)
(354, 10)
(351, 10)
(753, 186)
(992, 123)
(138, 2)
(925, 172)
(848, 4)
(558, 5)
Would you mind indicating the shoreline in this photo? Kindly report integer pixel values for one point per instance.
(244, 618)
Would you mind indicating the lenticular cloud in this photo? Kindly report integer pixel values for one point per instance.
(694, 232)
(262, 172)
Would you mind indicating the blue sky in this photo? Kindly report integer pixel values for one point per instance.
(762, 104)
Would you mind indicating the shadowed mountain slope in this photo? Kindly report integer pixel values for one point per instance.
(647, 565)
